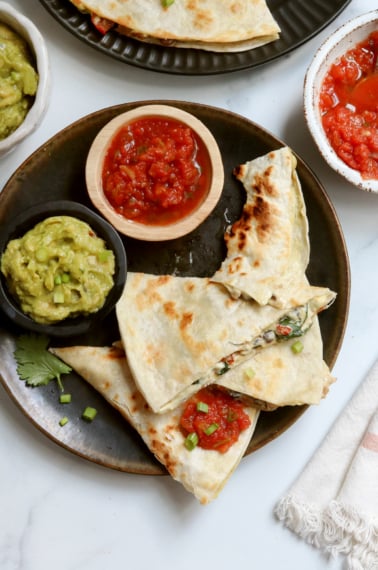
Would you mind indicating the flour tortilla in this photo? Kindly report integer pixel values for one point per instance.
(268, 247)
(176, 330)
(202, 472)
(276, 377)
(214, 25)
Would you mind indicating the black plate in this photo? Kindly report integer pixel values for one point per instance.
(56, 171)
(299, 21)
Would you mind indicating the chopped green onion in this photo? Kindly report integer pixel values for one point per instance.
(63, 421)
(211, 429)
(66, 278)
(58, 297)
(104, 255)
(65, 398)
(57, 280)
(202, 407)
(297, 347)
(191, 441)
(249, 372)
(41, 254)
(167, 3)
(89, 414)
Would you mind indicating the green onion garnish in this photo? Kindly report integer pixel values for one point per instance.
(249, 372)
(58, 297)
(202, 407)
(104, 255)
(65, 398)
(89, 414)
(297, 347)
(211, 429)
(63, 421)
(65, 278)
(41, 254)
(191, 441)
(167, 3)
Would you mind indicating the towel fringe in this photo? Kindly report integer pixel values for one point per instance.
(338, 529)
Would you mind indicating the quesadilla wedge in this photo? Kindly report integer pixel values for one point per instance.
(213, 25)
(182, 333)
(285, 374)
(268, 247)
(202, 472)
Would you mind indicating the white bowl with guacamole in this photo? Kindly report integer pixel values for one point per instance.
(25, 77)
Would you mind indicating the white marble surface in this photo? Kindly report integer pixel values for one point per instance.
(59, 511)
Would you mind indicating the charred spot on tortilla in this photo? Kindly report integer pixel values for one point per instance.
(190, 287)
(116, 352)
(186, 320)
(170, 311)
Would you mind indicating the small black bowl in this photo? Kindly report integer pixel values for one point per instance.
(18, 226)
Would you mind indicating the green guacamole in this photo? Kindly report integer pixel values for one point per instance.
(18, 81)
(58, 269)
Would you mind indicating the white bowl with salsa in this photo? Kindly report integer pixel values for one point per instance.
(155, 172)
(341, 101)
(23, 52)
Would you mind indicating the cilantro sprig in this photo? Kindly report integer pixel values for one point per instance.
(35, 364)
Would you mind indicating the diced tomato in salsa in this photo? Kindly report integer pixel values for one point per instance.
(218, 427)
(156, 171)
(349, 107)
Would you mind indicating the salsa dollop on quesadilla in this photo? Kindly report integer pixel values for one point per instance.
(202, 472)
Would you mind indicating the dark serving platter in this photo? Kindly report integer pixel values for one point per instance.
(299, 20)
(56, 171)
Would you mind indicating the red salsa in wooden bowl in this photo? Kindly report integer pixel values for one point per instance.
(156, 171)
(349, 106)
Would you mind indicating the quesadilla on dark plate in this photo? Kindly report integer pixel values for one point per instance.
(214, 25)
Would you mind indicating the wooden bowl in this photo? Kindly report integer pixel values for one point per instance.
(135, 229)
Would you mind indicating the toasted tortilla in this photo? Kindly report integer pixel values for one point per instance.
(268, 247)
(177, 331)
(202, 472)
(213, 25)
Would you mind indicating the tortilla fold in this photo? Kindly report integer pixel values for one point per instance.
(177, 331)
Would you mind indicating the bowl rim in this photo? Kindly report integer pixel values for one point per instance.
(131, 228)
(310, 95)
(26, 220)
(28, 30)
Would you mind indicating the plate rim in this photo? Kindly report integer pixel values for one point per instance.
(234, 61)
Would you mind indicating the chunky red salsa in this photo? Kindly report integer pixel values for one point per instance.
(213, 419)
(349, 107)
(156, 171)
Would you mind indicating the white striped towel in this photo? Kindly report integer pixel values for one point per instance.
(333, 504)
